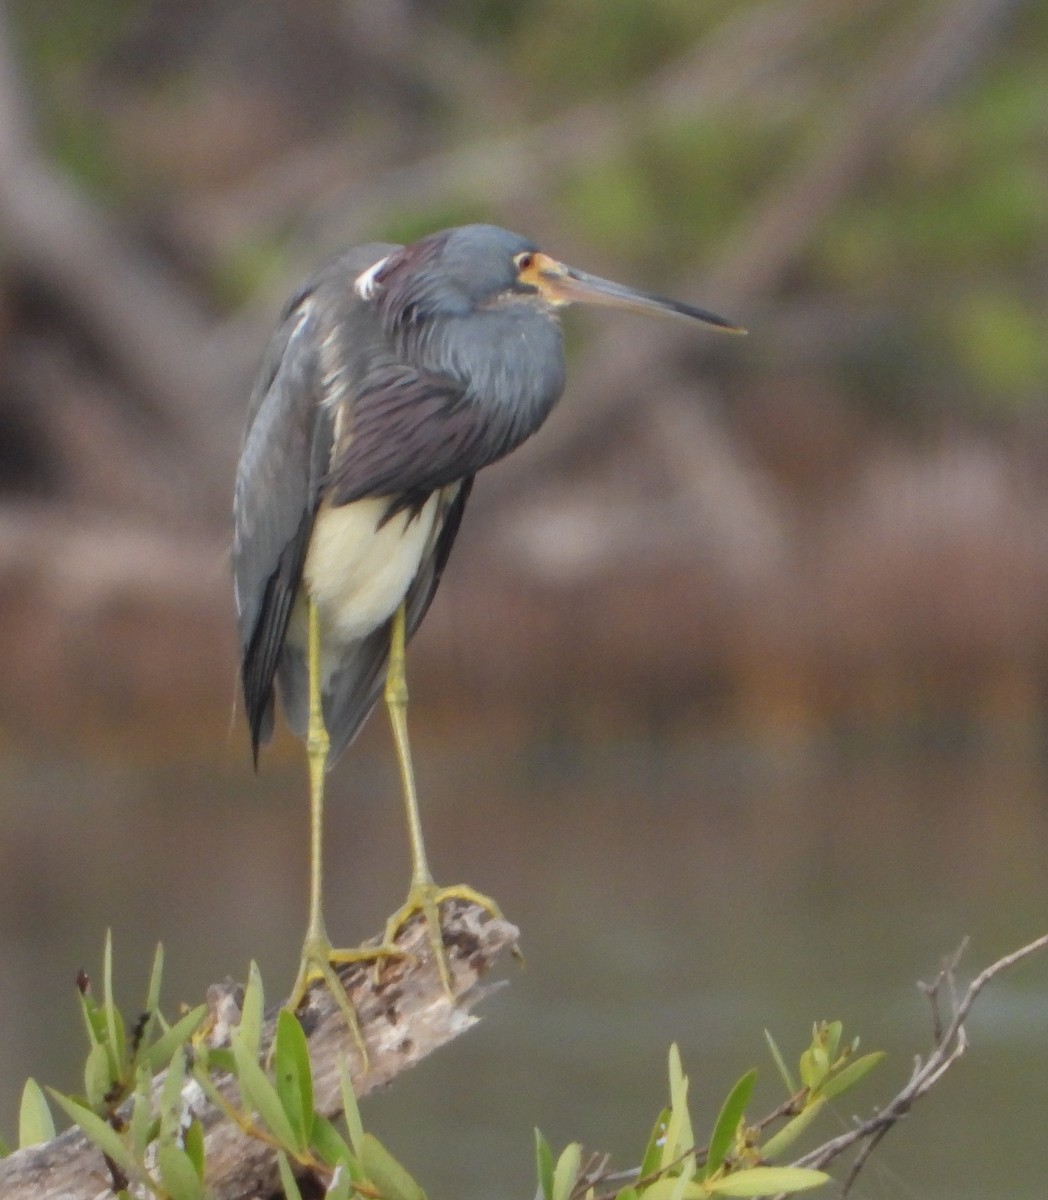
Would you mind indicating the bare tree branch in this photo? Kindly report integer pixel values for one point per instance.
(950, 1044)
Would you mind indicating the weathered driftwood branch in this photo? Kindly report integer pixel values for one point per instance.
(402, 1019)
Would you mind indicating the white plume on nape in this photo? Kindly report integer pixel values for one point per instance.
(365, 285)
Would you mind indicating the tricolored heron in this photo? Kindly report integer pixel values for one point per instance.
(396, 374)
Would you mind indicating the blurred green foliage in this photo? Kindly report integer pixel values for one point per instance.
(951, 234)
(65, 44)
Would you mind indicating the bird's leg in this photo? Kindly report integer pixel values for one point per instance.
(318, 745)
(397, 703)
(424, 896)
(317, 951)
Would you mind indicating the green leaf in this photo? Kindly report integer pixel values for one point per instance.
(780, 1063)
(792, 1130)
(178, 1173)
(627, 1193)
(193, 1144)
(98, 1130)
(118, 1047)
(731, 1114)
(351, 1110)
(328, 1144)
(287, 1179)
(151, 1013)
(142, 1128)
(767, 1181)
(219, 1059)
(171, 1107)
(821, 1062)
(678, 1080)
(115, 1036)
(809, 1070)
(388, 1176)
(153, 992)
(649, 1164)
(566, 1172)
(97, 1079)
(250, 1027)
(259, 1094)
(544, 1165)
(162, 1050)
(679, 1139)
(35, 1123)
(5, 1149)
(294, 1075)
(684, 1187)
(674, 1187)
(94, 1017)
(850, 1075)
(832, 1039)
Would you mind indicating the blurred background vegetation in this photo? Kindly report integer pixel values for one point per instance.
(735, 688)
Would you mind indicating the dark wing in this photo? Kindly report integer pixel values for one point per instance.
(286, 452)
(413, 432)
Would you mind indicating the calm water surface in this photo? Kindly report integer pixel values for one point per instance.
(690, 893)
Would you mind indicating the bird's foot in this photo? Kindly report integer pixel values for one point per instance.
(319, 960)
(424, 899)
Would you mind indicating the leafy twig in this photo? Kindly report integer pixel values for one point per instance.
(951, 1042)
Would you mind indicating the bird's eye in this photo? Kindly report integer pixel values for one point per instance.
(525, 261)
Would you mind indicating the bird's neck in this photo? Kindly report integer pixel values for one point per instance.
(509, 358)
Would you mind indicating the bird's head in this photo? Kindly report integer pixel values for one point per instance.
(475, 267)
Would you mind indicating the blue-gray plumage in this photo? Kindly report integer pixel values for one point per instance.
(398, 397)
(396, 374)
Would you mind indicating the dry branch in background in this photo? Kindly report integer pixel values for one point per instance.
(950, 1043)
(950, 1010)
(402, 1020)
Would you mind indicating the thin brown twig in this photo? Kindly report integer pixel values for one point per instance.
(933, 989)
(951, 1041)
(860, 1159)
(950, 1045)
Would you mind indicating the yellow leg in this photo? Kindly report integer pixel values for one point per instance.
(424, 896)
(318, 745)
(317, 951)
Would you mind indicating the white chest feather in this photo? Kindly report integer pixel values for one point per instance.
(357, 570)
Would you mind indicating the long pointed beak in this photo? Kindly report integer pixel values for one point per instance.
(567, 285)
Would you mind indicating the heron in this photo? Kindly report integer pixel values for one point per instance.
(395, 375)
